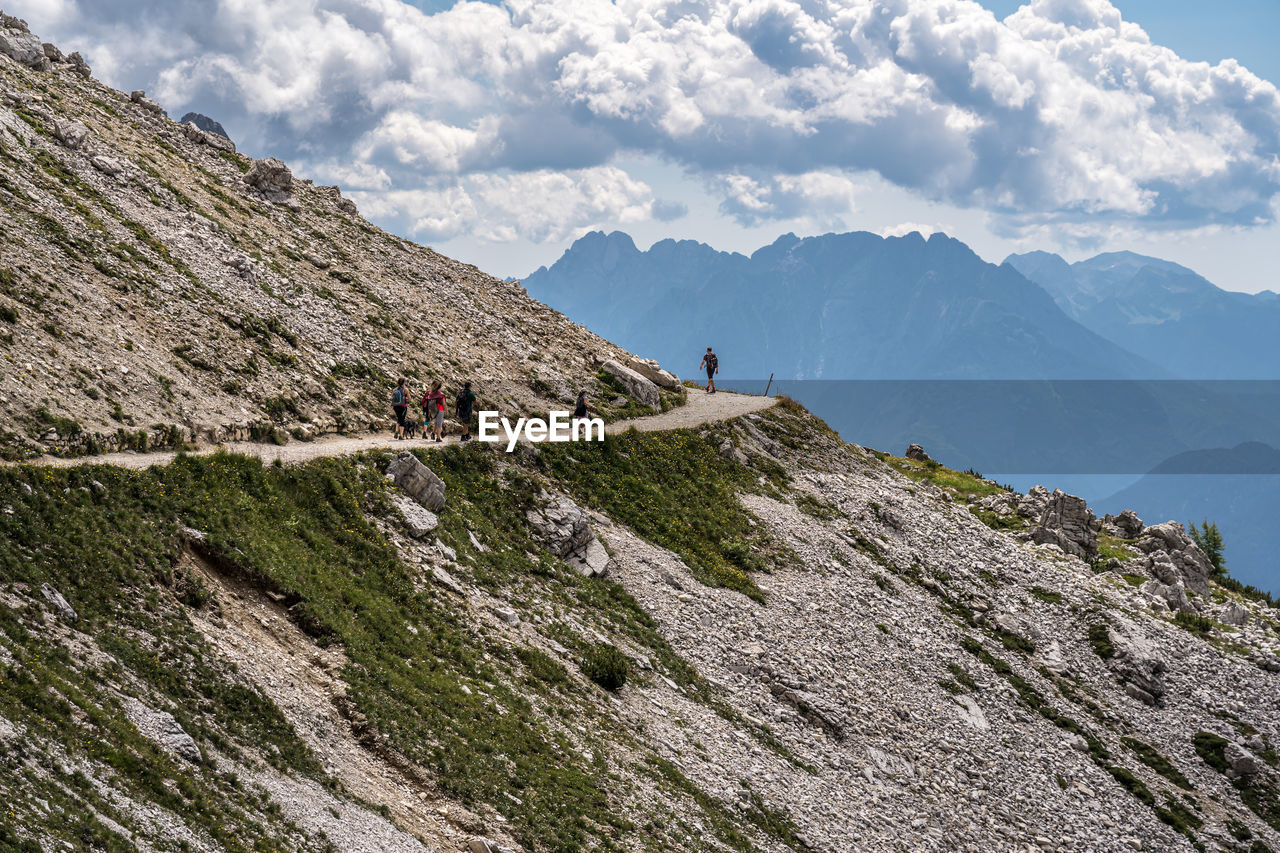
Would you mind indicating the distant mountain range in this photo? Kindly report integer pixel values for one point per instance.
(860, 306)
(1165, 313)
(836, 306)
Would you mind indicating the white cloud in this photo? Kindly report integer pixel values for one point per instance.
(1062, 115)
(540, 206)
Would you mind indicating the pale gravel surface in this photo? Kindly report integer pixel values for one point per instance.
(701, 408)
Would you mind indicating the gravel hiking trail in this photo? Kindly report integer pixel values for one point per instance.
(700, 408)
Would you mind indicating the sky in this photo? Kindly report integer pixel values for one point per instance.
(499, 132)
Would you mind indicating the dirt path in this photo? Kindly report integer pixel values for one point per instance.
(701, 408)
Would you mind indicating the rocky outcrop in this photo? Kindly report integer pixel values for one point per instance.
(1174, 559)
(417, 519)
(1060, 519)
(139, 97)
(64, 610)
(565, 529)
(1126, 525)
(417, 481)
(19, 44)
(202, 137)
(651, 370)
(916, 452)
(163, 730)
(272, 178)
(637, 387)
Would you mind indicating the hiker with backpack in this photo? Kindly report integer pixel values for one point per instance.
(465, 402)
(400, 405)
(712, 364)
(580, 408)
(433, 412)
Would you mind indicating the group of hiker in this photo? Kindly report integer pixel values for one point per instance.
(433, 408)
(434, 404)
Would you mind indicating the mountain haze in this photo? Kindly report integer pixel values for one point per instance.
(834, 306)
(1165, 313)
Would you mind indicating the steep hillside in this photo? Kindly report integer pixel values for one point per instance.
(836, 306)
(1165, 313)
(157, 286)
(797, 644)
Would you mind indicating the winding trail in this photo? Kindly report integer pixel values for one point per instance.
(701, 408)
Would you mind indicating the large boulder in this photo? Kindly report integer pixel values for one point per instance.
(916, 452)
(139, 97)
(1240, 761)
(1061, 519)
(202, 137)
(637, 387)
(418, 519)
(71, 133)
(79, 66)
(55, 599)
(417, 481)
(1138, 664)
(19, 44)
(272, 178)
(162, 729)
(1174, 558)
(651, 370)
(565, 529)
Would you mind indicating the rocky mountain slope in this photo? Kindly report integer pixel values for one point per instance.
(788, 643)
(156, 285)
(744, 635)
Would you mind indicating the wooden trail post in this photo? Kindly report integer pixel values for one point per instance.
(770, 385)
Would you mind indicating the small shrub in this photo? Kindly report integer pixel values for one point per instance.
(1212, 749)
(1193, 622)
(1046, 595)
(1100, 640)
(606, 666)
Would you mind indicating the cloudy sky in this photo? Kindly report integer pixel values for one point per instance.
(498, 132)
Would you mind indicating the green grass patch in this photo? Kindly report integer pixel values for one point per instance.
(1193, 622)
(1046, 595)
(1152, 757)
(1113, 547)
(1100, 641)
(959, 484)
(675, 490)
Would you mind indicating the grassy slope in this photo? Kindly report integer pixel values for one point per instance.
(485, 718)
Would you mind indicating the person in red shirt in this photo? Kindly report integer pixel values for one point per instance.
(433, 412)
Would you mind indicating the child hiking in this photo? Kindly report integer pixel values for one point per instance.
(465, 402)
(400, 405)
(433, 412)
(712, 364)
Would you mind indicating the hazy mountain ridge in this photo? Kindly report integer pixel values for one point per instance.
(834, 306)
(1165, 312)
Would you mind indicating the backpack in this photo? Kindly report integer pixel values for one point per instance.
(713, 363)
(397, 396)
